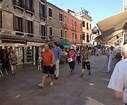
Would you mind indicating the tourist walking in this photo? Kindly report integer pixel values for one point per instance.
(48, 66)
(116, 57)
(6, 62)
(78, 56)
(1, 61)
(13, 60)
(71, 57)
(86, 53)
(110, 57)
(57, 53)
(118, 81)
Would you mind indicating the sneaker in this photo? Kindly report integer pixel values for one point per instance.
(40, 85)
(51, 84)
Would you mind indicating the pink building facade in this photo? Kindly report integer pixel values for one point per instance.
(73, 28)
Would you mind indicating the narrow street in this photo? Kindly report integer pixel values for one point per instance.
(68, 90)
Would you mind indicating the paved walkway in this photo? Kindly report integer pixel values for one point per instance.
(68, 90)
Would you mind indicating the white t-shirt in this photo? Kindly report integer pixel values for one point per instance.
(118, 80)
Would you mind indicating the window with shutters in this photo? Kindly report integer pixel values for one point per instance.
(60, 17)
(29, 5)
(87, 26)
(43, 30)
(83, 36)
(61, 33)
(50, 12)
(0, 19)
(42, 11)
(19, 3)
(75, 36)
(87, 38)
(50, 31)
(83, 23)
(29, 26)
(18, 24)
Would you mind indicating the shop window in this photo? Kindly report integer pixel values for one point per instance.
(83, 23)
(18, 24)
(42, 10)
(0, 19)
(87, 37)
(50, 31)
(43, 30)
(87, 26)
(50, 12)
(61, 17)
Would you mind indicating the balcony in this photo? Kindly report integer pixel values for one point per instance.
(29, 35)
(18, 4)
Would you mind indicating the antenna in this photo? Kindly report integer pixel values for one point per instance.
(124, 5)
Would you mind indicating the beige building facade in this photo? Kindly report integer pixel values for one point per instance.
(86, 25)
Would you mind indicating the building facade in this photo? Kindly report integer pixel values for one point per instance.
(23, 26)
(55, 22)
(72, 27)
(86, 25)
(112, 32)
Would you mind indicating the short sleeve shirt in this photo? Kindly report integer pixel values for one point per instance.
(118, 81)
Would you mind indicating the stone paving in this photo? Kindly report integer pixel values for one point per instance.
(68, 90)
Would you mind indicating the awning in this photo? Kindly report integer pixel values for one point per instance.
(113, 22)
(12, 39)
(20, 39)
(64, 43)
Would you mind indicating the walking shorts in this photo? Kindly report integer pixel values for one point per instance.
(86, 65)
(48, 70)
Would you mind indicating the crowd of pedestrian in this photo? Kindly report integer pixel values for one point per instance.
(8, 61)
(116, 66)
(50, 57)
(50, 61)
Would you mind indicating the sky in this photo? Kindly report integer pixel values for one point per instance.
(99, 9)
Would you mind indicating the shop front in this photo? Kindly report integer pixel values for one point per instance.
(27, 49)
